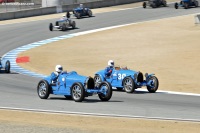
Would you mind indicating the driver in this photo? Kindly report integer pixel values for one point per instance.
(108, 70)
(54, 75)
(81, 5)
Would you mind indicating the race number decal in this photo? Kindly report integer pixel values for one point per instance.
(121, 76)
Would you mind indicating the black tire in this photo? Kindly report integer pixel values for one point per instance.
(108, 90)
(144, 4)
(78, 15)
(68, 97)
(176, 5)
(51, 27)
(89, 13)
(7, 67)
(155, 84)
(64, 27)
(164, 3)
(78, 92)
(186, 5)
(129, 85)
(43, 89)
(73, 24)
(97, 80)
(196, 3)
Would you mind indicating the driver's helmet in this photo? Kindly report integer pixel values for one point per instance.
(111, 63)
(81, 5)
(59, 68)
(63, 16)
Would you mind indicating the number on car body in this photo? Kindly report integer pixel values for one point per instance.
(121, 76)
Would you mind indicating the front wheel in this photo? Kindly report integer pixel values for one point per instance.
(153, 84)
(51, 27)
(7, 67)
(144, 5)
(129, 85)
(164, 3)
(106, 89)
(78, 92)
(196, 3)
(64, 27)
(89, 13)
(176, 5)
(97, 80)
(43, 89)
(78, 15)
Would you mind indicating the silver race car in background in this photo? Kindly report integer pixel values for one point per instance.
(63, 23)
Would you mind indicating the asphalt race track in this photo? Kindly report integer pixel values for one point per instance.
(19, 91)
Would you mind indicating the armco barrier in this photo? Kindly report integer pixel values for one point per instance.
(64, 8)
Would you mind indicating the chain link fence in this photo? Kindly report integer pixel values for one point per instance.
(17, 5)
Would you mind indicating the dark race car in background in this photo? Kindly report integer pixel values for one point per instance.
(82, 12)
(186, 4)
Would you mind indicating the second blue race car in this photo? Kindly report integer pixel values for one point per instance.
(129, 80)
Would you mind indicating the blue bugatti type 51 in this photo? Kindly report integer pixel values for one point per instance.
(73, 85)
(129, 80)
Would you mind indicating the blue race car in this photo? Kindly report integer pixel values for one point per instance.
(79, 12)
(186, 4)
(75, 86)
(129, 80)
(5, 64)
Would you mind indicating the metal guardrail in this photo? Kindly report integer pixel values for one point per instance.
(63, 8)
(18, 5)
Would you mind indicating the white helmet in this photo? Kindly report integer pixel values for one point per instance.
(81, 5)
(111, 63)
(59, 68)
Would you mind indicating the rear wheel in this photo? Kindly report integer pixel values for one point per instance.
(78, 92)
(144, 5)
(7, 67)
(186, 5)
(153, 84)
(43, 89)
(196, 3)
(51, 27)
(129, 85)
(106, 91)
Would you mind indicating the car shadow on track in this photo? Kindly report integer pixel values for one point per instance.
(4, 72)
(84, 101)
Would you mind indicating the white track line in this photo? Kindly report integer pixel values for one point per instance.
(96, 114)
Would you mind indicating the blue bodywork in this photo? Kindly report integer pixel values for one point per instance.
(80, 12)
(65, 82)
(119, 75)
(186, 4)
